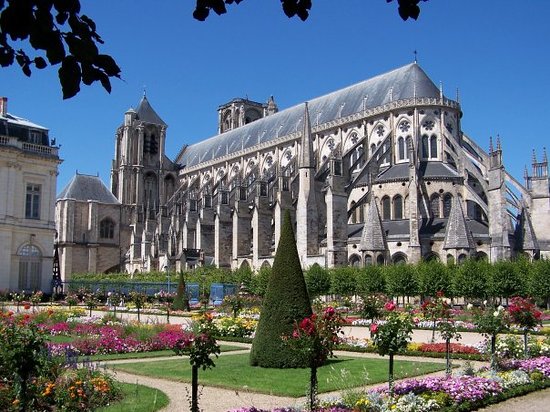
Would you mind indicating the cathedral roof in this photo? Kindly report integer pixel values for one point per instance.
(402, 83)
(146, 113)
(430, 169)
(85, 187)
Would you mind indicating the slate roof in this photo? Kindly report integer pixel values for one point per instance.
(427, 170)
(19, 121)
(85, 187)
(373, 237)
(457, 234)
(402, 83)
(146, 113)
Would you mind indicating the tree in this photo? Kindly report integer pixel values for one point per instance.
(299, 8)
(181, 301)
(317, 280)
(433, 277)
(469, 279)
(66, 37)
(539, 282)
(286, 302)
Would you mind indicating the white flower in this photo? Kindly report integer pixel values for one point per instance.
(500, 308)
(496, 313)
(469, 306)
(485, 303)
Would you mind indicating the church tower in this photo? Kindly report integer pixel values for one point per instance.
(142, 178)
(538, 186)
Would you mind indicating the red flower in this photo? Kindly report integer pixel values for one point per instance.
(27, 306)
(329, 312)
(308, 326)
(373, 327)
(390, 306)
(440, 294)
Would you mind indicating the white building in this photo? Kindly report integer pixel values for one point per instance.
(28, 177)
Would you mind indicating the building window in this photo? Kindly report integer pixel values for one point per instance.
(398, 207)
(29, 268)
(353, 215)
(434, 205)
(401, 148)
(368, 260)
(386, 208)
(107, 229)
(433, 147)
(447, 200)
(425, 147)
(32, 202)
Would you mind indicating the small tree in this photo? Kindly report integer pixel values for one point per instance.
(392, 336)
(181, 301)
(199, 345)
(139, 299)
(317, 281)
(91, 301)
(286, 301)
(490, 322)
(315, 337)
(525, 314)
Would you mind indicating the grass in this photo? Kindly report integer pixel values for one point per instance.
(153, 354)
(138, 398)
(234, 372)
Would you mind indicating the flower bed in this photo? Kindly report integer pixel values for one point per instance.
(457, 393)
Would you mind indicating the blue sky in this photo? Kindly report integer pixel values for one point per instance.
(495, 51)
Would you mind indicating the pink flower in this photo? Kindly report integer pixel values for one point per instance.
(308, 326)
(390, 306)
(373, 328)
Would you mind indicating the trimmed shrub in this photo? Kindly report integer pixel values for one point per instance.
(181, 301)
(317, 280)
(286, 302)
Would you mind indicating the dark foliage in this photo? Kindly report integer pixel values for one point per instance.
(64, 36)
(286, 302)
(181, 301)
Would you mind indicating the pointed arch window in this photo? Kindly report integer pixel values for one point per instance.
(398, 207)
(447, 201)
(372, 149)
(434, 205)
(386, 208)
(353, 215)
(360, 214)
(433, 147)
(425, 146)
(107, 229)
(401, 148)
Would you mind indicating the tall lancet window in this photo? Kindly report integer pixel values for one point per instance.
(434, 205)
(433, 147)
(447, 201)
(401, 148)
(386, 208)
(398, 207)
(425, 146)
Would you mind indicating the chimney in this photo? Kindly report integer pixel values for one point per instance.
(3, 106)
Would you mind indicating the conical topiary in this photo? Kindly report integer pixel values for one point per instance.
(286, 301)
(181, 302)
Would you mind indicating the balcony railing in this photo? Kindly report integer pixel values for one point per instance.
(28, 147)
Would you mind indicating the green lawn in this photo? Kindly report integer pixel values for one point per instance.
(234, 372)
(138, 398)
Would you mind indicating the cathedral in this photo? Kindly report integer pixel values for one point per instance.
(376, 173)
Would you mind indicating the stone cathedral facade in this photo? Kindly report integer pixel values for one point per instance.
(379, 172)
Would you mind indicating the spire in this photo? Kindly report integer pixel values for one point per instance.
(491, 148)
(306, 158)
(457, 234)
(544, 155)
(457, 95)
(415, 56)
(534, 157)
(373, 237)
(441, 90)
(498, 142)
(271, 106)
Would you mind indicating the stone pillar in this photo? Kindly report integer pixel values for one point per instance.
(223, 232)
(262, 232)
(241, 227)
(337, 218)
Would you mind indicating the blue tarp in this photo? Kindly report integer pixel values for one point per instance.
(220, 290)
